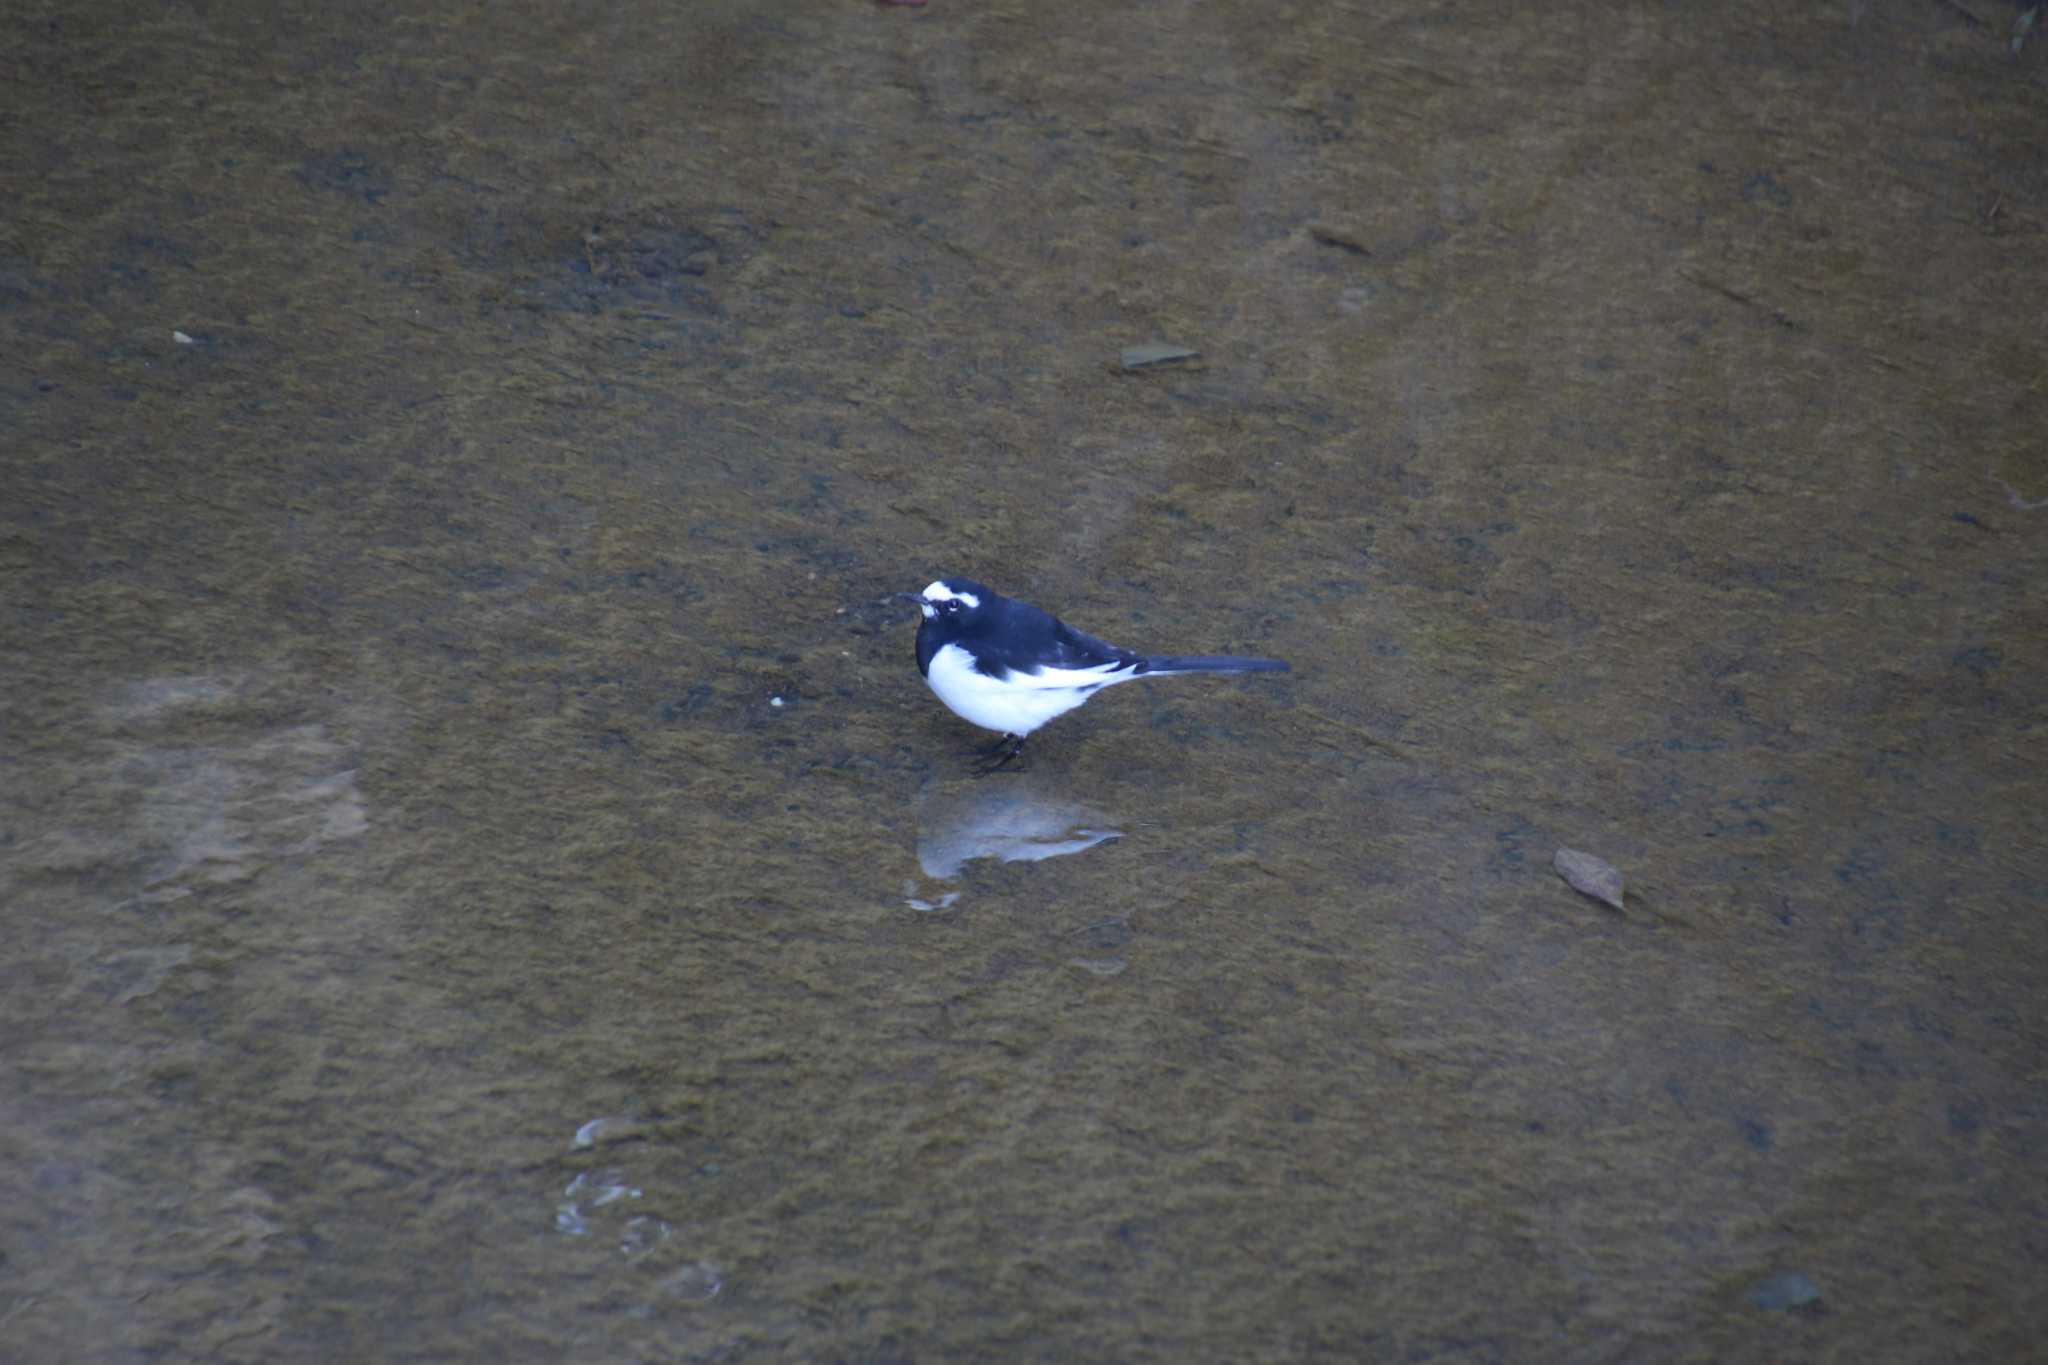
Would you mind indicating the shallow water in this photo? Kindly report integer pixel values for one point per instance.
(484, 880)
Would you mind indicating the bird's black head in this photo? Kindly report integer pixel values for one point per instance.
(953, 603)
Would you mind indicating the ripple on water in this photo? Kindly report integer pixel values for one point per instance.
(698, 1282)
(589, 1191)
(611, 1128)
(642, 1235)
(923, 906)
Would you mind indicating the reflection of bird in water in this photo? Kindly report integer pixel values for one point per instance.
(1009, 667)
(1015, 823)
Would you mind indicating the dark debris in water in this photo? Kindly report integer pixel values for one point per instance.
(1344, 242)
(348, 172)
(660, 266)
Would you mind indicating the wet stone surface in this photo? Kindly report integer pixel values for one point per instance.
(485, 881)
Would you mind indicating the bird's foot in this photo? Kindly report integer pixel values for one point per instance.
(998, 755)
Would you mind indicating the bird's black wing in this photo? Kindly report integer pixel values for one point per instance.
(1023, 639)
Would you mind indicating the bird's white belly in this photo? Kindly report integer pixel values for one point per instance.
(1009, 708)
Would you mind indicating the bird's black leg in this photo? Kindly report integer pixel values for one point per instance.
(999, 754)
(991, 750)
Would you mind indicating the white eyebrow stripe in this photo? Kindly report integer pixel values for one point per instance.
(939, 592)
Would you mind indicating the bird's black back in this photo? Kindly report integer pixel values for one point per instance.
(1006, 636)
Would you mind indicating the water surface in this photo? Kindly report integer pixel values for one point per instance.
(457, 463)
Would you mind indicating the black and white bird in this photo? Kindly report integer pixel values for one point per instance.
(1007, 666)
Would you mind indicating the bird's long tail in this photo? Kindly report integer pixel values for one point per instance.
(1209, 663)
